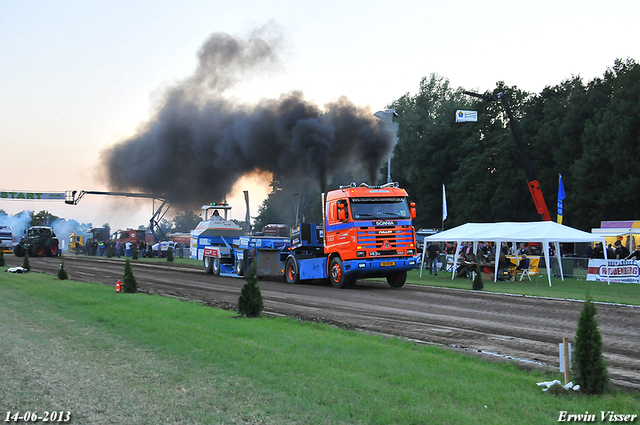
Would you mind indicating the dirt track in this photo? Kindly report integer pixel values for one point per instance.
(498, 326)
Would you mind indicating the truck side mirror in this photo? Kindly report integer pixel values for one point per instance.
(412, 209)
(342, 214)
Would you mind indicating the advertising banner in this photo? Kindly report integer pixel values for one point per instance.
(626, 271)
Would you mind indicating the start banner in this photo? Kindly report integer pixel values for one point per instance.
(626, 271)
(32, 196)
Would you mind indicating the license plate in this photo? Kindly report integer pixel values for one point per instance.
(388, 263)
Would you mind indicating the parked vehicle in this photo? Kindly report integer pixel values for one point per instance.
(6, 239)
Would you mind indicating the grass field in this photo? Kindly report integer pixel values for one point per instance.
(139, 359)
(571, 288)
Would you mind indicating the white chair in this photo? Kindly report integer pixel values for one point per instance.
(525, 272)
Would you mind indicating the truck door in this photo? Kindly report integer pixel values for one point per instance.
(338, 232)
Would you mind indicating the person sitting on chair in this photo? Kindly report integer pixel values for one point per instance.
(504, 264)
(522, 266)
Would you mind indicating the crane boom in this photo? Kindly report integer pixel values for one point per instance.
(532, 181)
(72, 197)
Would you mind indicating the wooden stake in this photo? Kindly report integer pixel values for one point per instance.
(565, 348)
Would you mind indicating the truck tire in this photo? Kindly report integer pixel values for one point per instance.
(336, 275)
(208, 264)
(240, 267)
(215, 266)
(38, 250)
(292, 271)
(396, 280)
(18, 251)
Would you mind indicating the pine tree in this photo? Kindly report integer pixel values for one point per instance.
(2, 262)
(25, 262)
(478, 284)
(589, 368)
(62, 272)
(134, 251)
(129, 283)
(250, 301)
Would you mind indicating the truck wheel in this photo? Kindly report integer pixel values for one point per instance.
(208, 265)
(240, 267)
(18, 251)
(336, 275)
(292, 271)
(396, 280)
(38, 250)
(215, 266)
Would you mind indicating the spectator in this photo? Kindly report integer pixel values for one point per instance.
(432, 251)
(621, 251)
(524, 264)
(636, 254)
(127, 249)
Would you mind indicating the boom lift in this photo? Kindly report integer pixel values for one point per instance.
(532, 181)
(72, 197)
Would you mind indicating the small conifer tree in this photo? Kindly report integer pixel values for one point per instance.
(589, 368)
(478, 284)
(25, 262)
(129, 283)
(250, 301)
(134, 251)
(62, 272)
(109, 250)
(170, 255)
(2, 262)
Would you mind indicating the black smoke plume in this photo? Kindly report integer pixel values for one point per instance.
(199, 143)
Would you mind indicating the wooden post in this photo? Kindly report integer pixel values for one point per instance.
(565, 348)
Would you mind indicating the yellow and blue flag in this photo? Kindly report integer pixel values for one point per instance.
(561, 197)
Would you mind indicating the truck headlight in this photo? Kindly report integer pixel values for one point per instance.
(411, 252)
(361, 253)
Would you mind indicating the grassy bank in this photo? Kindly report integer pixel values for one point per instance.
(118, 358)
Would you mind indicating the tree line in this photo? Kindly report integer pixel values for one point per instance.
(587, 131)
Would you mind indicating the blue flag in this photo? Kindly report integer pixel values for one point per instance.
(561, 196)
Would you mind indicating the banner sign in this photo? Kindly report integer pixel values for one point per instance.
(32, 196)
(626, 271)
(466, 116)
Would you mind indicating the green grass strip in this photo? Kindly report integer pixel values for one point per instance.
(570, 288)
(139, 359)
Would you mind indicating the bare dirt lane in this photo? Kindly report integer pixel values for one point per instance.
(524, 328)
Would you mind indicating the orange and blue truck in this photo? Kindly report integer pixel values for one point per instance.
(367, 232)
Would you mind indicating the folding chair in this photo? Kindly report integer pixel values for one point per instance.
(523, 273)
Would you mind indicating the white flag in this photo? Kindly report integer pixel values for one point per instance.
(444, 203)
(466, 116)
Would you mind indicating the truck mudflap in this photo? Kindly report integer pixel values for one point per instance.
(372, 267)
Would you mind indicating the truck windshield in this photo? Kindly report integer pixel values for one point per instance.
(379, 208)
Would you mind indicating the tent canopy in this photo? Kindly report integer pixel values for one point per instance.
(544, 232)
(536, 231)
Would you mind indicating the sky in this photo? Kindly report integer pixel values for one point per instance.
(78, 77)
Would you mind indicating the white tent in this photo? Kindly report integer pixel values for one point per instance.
(544, 232)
